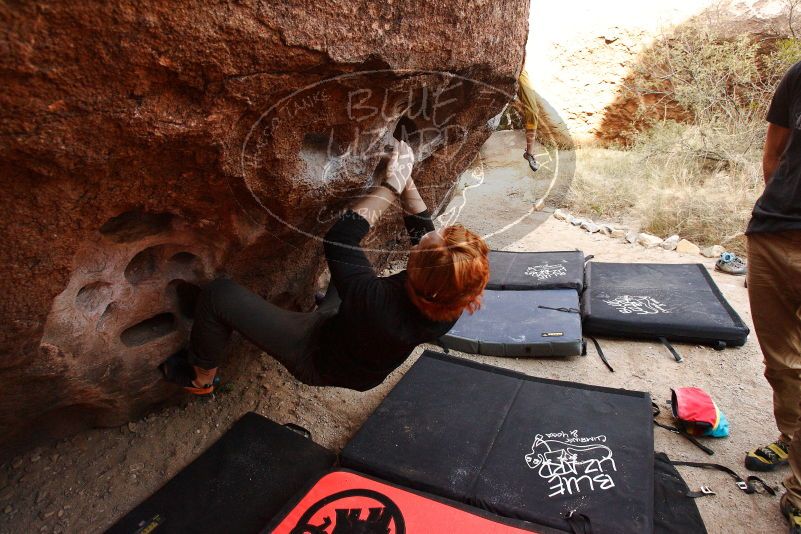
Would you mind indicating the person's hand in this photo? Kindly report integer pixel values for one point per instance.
(399, 167)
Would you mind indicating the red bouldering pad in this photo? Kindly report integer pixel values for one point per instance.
(343, 501)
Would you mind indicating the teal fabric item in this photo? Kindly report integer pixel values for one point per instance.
(722, 428)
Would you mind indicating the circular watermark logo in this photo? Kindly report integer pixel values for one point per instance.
(319, 150)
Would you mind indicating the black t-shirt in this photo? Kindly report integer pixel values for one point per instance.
(779, 207)
(377, 325)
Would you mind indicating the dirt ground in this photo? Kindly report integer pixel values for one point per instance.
(83, 484)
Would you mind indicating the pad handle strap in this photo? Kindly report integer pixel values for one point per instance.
(747, 485)
(601, 354)
(673, 351)
(579, 523)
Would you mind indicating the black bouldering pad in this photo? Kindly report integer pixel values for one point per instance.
(674, 511)
(520, 324)
(679, 302)
(536, 270)
(238, 485)
(515, 445)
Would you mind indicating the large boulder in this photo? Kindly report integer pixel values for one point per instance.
(149, 147)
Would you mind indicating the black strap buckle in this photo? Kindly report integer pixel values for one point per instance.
(703, 492)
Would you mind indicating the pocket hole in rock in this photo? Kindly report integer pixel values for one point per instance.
(108, 311)
(134, 225)
(186, 261)
(148, 330)
(183, 258)
(420, 131)
(106, 319)
(92, 296)
(405, 128)
(144, 265)
(185, 295)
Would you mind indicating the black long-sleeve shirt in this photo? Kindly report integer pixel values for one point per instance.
(377, 325)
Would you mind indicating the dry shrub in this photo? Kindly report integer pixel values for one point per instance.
(713, 212)
(666, 192)
(605, 183)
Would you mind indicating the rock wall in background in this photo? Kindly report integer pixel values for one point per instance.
(580, 53)
(147, 148)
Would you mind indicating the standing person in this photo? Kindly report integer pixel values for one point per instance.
(528, 98)
(366, 325)
(774, 286)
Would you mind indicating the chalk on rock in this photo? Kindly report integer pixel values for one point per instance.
(713, 252)
(687, 247)
(561, 214)
(590, 226)
(631, 237)
(649, 240)
(670, 243)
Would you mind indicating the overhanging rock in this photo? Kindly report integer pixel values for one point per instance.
(148, 148)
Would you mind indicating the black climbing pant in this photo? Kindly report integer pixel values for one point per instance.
(290, 337)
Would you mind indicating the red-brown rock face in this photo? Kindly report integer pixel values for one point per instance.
(147, 148)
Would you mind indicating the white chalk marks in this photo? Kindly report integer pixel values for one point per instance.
(546, 272)
(639, 305)
(572, 464)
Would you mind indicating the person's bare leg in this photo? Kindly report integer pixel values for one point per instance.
(531, 136)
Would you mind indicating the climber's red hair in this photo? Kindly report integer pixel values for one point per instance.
(444, 279)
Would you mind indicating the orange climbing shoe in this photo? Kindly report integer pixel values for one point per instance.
(193, 379)
(204, 382)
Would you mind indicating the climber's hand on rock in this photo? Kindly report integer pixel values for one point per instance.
(399, 167)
